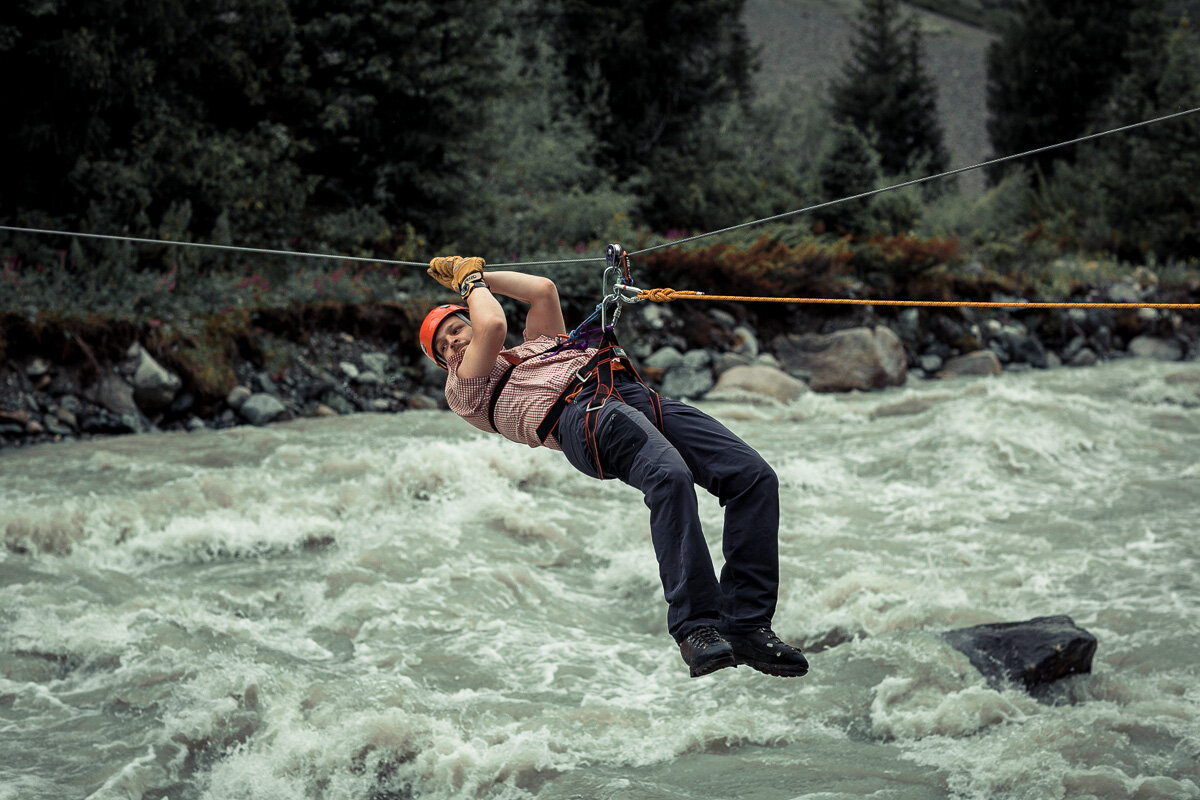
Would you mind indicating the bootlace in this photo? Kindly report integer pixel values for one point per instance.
(772, 639)
(703, 637)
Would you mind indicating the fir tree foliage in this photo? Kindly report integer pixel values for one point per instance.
(268, 122)
(885, 92)
(541, 187)
(850, 167)
(1050, 71)
(1150, 178)
(647, 75)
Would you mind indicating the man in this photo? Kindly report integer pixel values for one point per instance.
(591, 405)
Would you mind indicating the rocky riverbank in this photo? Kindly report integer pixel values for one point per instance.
(697, 350)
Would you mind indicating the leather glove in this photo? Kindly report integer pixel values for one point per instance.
(453, 271)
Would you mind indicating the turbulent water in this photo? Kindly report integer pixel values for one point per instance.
(386, 607)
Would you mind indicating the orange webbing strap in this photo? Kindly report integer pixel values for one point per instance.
(667, 295)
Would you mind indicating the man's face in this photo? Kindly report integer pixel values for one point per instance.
(451, 337)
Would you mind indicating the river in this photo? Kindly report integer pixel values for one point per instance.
(384, 607)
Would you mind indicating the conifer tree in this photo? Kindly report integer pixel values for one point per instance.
(850, 167)
(645, 73)
(1049, 72)
(1150, 177)
(885, 92)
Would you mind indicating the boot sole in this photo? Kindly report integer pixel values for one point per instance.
(778, 670)
(713, 666)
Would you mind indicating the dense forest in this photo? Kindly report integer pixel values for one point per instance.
(523, 129)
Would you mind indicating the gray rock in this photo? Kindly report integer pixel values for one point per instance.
(908, 324)
(348, 369)
(421, 402)
(722, 316)
(338, 403)
(695, 359)
(1183, 378)
(1073, 347)
(1085, 357)
(665, 358)
(1153, 347)
(682, 381)
(381, 404)
(113, 393)
(767, 360)
(261, 408)
(770, 382)
(1124, 292)
(904, 408)
(369, 379)
(981, 362)
(375, 362)
(745, 343)
(71, 403)
(1030, 350)
(655, 316)
(154, 386)
(183, 402)
(858, 358)
(263, 383)
(237, 396)
(66, 417)
(727, 361)
(37, 368)
(931, 363)
(1031, 654)
(196, 424)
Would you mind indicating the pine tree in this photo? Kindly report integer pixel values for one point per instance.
(1049, 72)
(392, 102)
(1150, 177)
(885, 92)
(850, 167)
(645, 73)
(151, 121)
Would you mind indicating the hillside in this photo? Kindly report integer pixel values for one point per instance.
(803, 43)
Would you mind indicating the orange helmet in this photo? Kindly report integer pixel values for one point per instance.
(430, 325)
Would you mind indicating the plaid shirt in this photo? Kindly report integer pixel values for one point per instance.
(531, 390)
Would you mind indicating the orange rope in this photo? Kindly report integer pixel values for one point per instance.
(667, 295)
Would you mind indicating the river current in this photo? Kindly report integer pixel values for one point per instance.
(386, 607)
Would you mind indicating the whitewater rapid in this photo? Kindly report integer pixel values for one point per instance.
(396, 606)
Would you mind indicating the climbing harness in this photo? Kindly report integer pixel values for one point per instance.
(609, 360)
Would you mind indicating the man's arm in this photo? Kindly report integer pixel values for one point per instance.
(545, 316)
(488, 329)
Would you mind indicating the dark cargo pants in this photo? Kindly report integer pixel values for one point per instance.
(693, 449)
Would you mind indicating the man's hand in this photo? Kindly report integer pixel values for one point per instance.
(453, 271)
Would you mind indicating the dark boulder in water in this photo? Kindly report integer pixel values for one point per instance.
(1033, 654)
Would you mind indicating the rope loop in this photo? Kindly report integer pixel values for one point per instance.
(665, 295)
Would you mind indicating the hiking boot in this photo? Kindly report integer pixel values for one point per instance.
(705, 651)
(762, 650)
